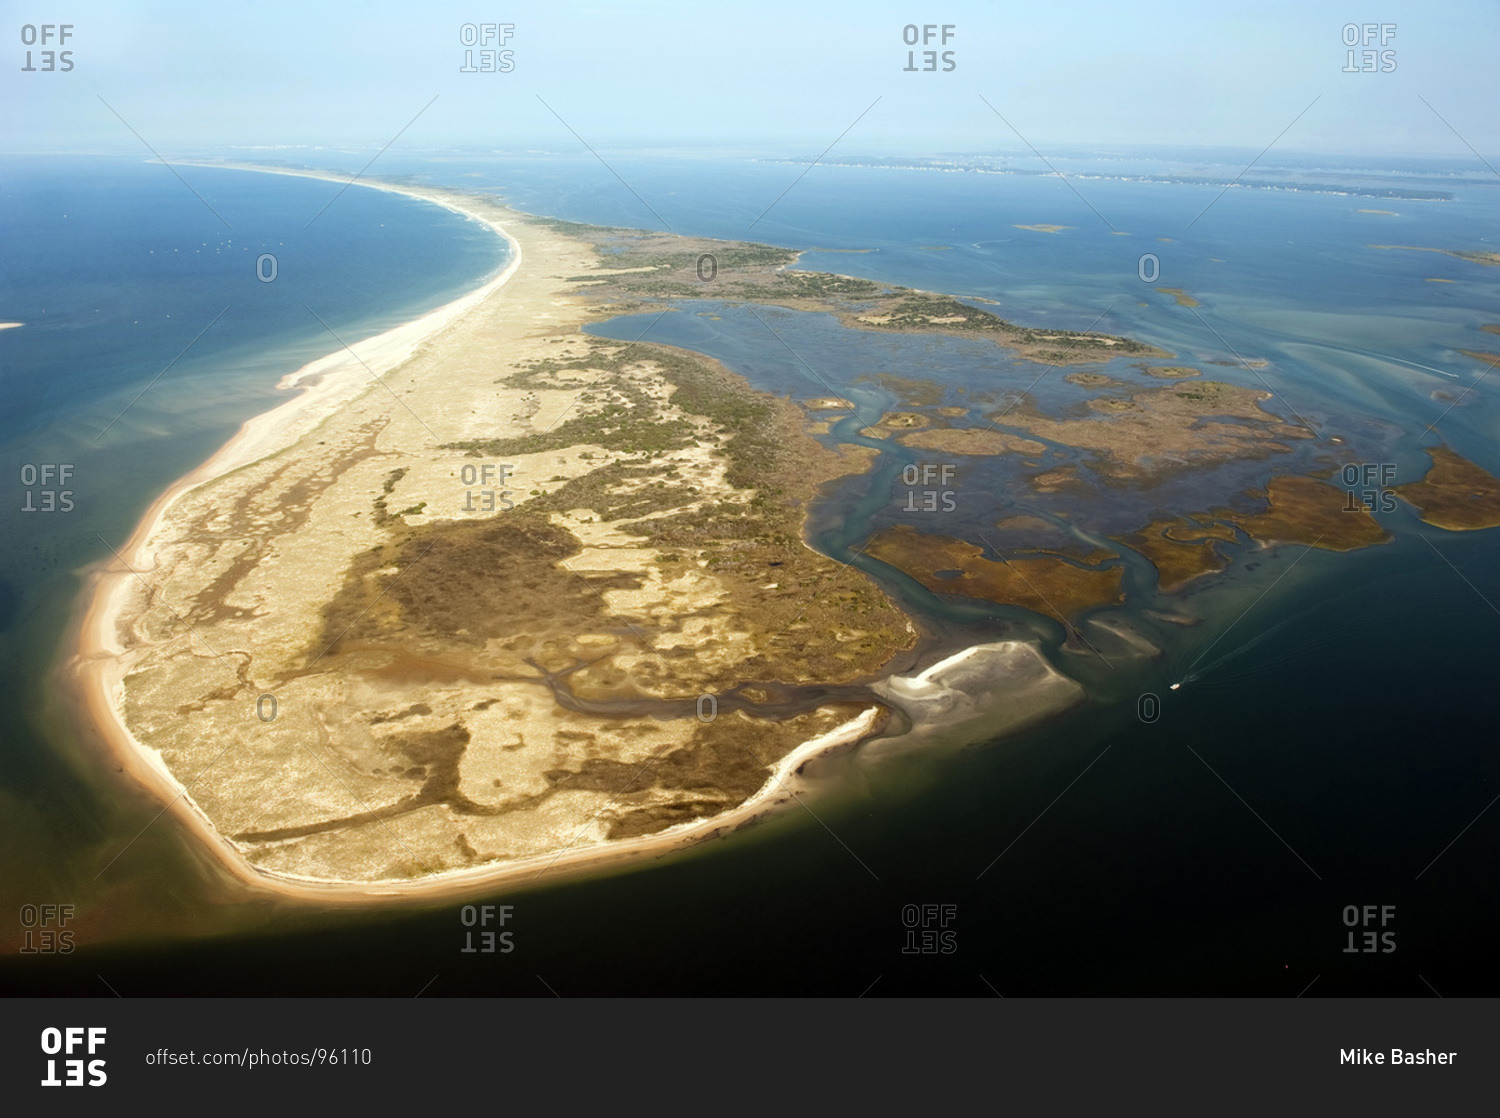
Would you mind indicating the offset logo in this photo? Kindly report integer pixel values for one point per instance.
(492, 479)
(1367, 919)
(1370, 60)
(492, 60)
(926, 35)
(43, 486)
(929, 474)
(47, 35)
(929, 929)
(46, 929)
(489, 943)
(1365, 487)
(74, 1043)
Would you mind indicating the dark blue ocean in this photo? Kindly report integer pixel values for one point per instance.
(1336, 741)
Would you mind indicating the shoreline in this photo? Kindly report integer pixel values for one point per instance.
(101, 662)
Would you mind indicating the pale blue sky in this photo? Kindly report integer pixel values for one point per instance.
(767, 75)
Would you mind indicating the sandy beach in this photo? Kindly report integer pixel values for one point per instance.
(323, 388)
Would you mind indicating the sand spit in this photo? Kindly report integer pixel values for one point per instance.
(1008, 685)
(109, 648)
(266, 820)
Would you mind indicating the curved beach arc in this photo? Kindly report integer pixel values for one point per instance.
(98, 670)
